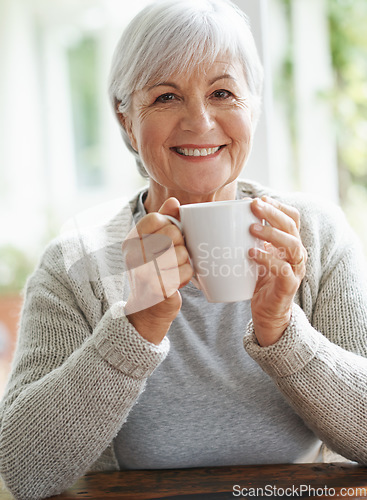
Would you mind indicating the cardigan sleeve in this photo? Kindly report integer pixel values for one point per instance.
(319, 363)
(71, 386)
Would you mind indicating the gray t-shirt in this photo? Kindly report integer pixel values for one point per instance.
(209, 403)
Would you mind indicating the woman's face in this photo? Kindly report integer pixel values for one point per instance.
(194, 131)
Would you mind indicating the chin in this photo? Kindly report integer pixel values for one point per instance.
(202, 192)
(207, 182)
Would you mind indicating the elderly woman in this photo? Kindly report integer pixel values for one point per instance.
(185, 86)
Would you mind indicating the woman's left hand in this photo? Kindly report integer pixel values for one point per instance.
(282, 266)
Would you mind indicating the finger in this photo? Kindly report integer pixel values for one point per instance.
(161, 240)
(146, 246)
(174, 258)
(279, 254)
(287, 281)
(142, 251)
(138, 251)
(292, 212)
(173, 277)
(170, 207)
(152, 223)
(299, 268)
(172, 282)
(155, 221)
(186, 274)
(145, 275)
(182, 255)
(274, 216)
(289, 247)
(278, 267)
(146, 286)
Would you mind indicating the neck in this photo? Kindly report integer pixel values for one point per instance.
(158, 194)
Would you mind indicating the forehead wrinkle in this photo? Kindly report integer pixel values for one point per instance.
(225, 76)
(164, 84)
(194, 65)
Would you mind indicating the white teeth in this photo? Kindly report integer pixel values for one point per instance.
(197, 152)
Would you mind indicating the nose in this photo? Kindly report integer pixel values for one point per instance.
(197, 118)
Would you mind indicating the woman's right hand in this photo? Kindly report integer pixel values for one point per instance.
(158, 265)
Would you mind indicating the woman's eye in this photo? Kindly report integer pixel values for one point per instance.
(166, 97)
(222, 94)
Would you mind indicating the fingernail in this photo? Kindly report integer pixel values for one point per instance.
(267, 199)
(252, 253)
(258, 228)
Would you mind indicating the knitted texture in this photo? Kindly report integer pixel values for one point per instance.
(80, 366)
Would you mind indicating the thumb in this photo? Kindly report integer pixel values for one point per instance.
(170, 207)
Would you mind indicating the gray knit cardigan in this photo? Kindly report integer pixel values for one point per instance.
(80, 366)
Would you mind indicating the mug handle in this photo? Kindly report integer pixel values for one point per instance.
(180, 227)
(175, 222)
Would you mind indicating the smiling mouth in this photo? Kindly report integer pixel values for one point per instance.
(198, 152)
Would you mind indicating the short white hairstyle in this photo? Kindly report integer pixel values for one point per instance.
(172, 36)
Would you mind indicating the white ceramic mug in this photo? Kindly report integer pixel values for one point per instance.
(217, 238)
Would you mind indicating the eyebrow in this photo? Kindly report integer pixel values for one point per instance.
(226, 76)
(163, 84)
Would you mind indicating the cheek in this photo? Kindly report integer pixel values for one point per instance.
(242, 130)
(152, 137)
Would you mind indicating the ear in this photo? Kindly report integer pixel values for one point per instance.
(126, 123)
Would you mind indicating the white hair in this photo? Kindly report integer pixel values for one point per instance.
(172, 36)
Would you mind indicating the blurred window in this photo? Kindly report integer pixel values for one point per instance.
(84, 78)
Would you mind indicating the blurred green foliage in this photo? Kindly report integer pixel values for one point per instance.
(15, 267)
(347, 20)
(84, 80)
(17, 263)
(348, 44)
